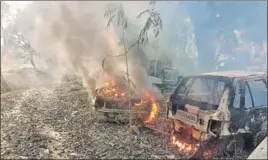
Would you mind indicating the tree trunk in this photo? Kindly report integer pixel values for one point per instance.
(32, 61)
(4, 85)
(128, 81)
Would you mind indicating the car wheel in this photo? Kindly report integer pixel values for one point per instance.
(231, 146)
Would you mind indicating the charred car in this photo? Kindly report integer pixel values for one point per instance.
(220, 113)
(117, 102)
(166, 74)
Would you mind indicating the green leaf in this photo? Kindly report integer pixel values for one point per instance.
(110, 20)
(152, 3)
(143, 12)
(110, 12)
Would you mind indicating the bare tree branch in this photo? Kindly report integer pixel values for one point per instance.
(153, 22)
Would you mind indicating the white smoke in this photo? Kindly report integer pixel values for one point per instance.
(75, 36)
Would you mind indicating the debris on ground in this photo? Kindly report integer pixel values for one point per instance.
(59, 123)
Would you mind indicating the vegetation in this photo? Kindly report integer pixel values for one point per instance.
(13, 39)
(153, 23)
(221, 19)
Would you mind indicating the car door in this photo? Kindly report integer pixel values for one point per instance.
(176, 97)
(255, 100)
(237, 108)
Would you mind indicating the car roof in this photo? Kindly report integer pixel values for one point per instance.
(235, 74)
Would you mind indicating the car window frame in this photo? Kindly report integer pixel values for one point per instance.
(247, 84)
(227, 80)
(240, 93)
(205, 80)
(250, 93)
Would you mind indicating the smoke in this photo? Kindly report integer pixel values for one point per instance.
(69, 33)
(215, 19)
(74, 35)
(74, 38)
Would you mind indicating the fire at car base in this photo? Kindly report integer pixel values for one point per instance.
(196, 141)
(112, 97)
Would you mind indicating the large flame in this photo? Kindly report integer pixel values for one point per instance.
(154, 107)
(110, 89)
(182, 146)
(188, 148)
(148, 98)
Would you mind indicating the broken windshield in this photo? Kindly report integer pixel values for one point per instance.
(205, 90)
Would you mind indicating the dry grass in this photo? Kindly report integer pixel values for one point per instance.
(57, 122)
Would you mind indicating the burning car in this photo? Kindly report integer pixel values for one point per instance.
(116, 103)
(219, 113)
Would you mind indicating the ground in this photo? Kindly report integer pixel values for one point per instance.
(44, 119)
(57, 122)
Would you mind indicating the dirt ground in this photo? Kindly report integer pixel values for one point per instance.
(44, 119)
(57, 122)
(26, 77)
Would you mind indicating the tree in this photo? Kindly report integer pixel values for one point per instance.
(177, 40)
(213, 19)
(13, 39)
(4, 12)
(153, 23)
(23, 47)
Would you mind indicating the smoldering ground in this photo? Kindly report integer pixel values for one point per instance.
(76, 37)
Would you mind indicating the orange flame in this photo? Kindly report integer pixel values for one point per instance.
(154, 106)
(110, 89)
(190, 148)
(183, 147)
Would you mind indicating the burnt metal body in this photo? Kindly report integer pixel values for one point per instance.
(117, 109)
(161, 75)
(167, 75)
(231, 108)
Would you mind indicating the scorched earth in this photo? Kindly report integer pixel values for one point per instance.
(57, 122)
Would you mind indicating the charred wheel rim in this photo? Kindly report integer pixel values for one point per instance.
(232, 146)
(261, 134)
(110, 117)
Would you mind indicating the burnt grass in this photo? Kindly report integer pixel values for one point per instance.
(57, 122)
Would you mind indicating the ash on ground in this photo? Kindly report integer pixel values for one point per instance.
(49, 122)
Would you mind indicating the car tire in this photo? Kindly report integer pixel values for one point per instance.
(227, 148)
